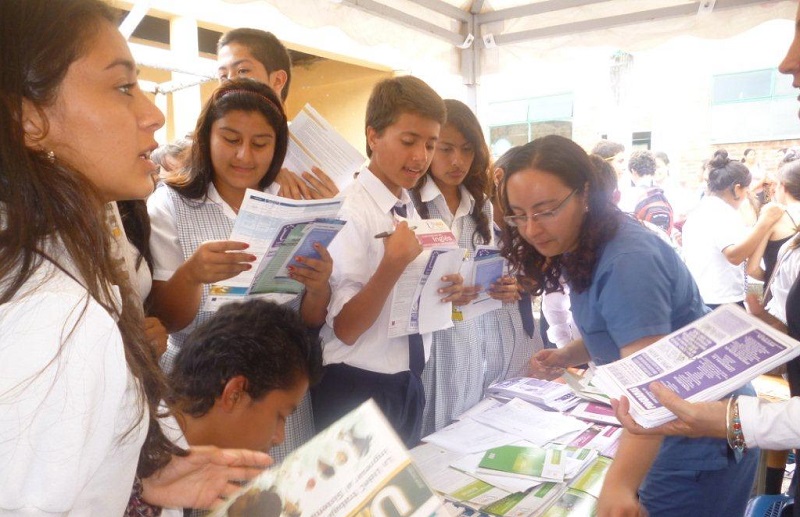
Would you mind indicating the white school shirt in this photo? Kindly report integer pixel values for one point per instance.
(430, 193)
(356, 254)
(713, 226)
(556, 309)
(773, 426)
(784, 275)
(65, 416)
(165, 244)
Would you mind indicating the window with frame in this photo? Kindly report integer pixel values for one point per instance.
(753, 106)
(517, 122)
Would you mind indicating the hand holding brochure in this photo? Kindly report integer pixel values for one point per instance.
(356, 464)
(313, 142)
(278, 230)
(482, 270)
(415, 303)
(703, 361)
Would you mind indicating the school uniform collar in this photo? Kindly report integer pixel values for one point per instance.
(382, 196)
(430, 191)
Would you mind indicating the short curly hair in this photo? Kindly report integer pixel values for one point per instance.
(643, 163)
(263, 341)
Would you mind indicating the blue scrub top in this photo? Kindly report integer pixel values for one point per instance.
(641, 287)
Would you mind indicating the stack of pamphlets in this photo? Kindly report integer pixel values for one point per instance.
(357, 466)
(595, 412)
(603, 438)
(548, 394)
(532, 502)
(536, 463)
(583, 386)
(703, 361)
(577, 498)
(582, 493)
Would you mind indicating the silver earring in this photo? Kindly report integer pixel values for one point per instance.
(51, 156)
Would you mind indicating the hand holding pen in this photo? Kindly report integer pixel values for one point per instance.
(401, 246)
(383, 235)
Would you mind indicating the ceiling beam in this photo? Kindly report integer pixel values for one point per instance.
(615, 21)
(391, 14)
(134, 17)
(442, 7)
(532, 10)
(163, 59)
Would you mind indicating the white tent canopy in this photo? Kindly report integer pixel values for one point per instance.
(437, 38)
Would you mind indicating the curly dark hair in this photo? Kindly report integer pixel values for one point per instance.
(566, 160)
(235, 95)
(263, 341)
(642, 162)
(477, 179)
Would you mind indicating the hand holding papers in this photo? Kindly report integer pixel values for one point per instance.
(278, 230)
(416, 303)
(356, 464)
(313, 142)
(481, 271)
(703, 361)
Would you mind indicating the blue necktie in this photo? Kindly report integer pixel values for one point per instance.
(416, 350)
(526, 311)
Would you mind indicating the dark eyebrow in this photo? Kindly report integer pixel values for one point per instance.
(236, 131)
(235, 63)
(125, 63)
(540, 204)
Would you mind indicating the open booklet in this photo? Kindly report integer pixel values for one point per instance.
(415, 301)
(482, 269)
(357, 466)
(278, 231)
(702, 361)
(313, 142)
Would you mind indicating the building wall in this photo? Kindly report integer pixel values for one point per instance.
(668, 90)
(339, 92)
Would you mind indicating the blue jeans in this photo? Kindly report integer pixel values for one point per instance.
(700, 493)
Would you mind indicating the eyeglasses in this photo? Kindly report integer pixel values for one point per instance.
(542, 217)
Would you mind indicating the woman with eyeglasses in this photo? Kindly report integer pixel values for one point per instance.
(628, 288)
(716, 242)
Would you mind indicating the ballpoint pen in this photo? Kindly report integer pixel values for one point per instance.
(383, 235)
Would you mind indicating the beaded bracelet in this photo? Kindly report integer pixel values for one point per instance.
(733, 425)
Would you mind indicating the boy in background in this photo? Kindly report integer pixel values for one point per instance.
(261, 56)
(404, 117)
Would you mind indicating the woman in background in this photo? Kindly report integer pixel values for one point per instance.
(715, 241)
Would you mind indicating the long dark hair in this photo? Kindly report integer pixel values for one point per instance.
(566, 160)
(477, 179)
(236, 95)
(44, 198)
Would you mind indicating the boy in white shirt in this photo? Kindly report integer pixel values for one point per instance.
(404, 116)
